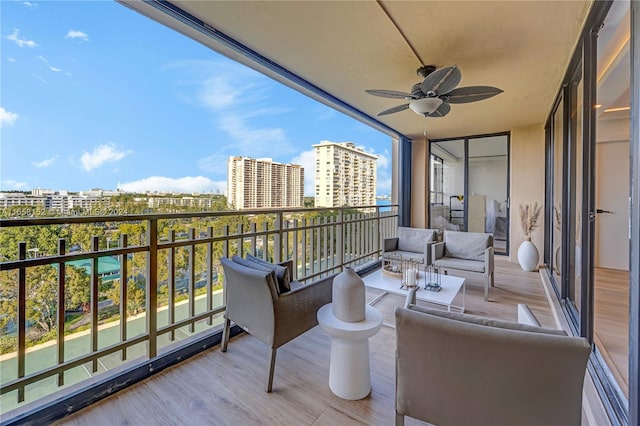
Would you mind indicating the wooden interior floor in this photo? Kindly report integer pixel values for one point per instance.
(228, 388)
(611, 322)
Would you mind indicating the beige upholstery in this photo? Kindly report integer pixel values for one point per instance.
(457, 369)
(414, 243)
(466, 251)
(253, 303)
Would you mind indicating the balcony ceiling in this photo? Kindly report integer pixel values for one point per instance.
(345, 47)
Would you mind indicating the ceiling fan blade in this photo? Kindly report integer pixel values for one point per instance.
(442, 81)
(463, 95)
(390, 94)
(442, 110)
(397, 108)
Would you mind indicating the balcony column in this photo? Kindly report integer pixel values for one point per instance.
(404, 181)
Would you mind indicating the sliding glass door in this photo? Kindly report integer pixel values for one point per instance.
(469, 190)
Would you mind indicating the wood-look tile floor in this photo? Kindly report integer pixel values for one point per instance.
(215, 388)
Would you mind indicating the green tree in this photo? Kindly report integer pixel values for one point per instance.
(77, 287)
(42, 296)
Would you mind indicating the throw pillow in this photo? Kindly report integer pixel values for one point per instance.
(249, 264)
(282, 272)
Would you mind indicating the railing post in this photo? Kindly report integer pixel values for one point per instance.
(192, 277)
(304, 247)
(60, 309)
(332, 254)
(171, 272)
(278, 242)
(295, 249)
(95, 295)
(312, 254)
(240, 248)
(225, 243)
(339, 238)
(152, 287)
(124, 282)
(22, 316)
(252, 240)
(209, 274)
(377, 237)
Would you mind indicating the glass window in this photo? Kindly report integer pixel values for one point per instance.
(576, 155)
(436, 192)
(556, 235)
(611, 243)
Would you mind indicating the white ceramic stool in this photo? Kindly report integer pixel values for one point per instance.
(349, 375)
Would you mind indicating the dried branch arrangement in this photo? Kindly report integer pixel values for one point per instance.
(529, 217)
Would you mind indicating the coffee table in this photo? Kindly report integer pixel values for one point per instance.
(451, 286)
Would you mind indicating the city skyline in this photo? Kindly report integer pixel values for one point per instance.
(143, 108)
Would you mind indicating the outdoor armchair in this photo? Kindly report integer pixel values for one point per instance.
(411, 243)
(459, 369)
(255, 303)
(466, 251)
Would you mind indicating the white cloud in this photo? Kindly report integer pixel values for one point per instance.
(51, 67)
(42, 80)
(217, 93)
(185, 184)
(30, 5)
(10, 184)
(45, 163)
(258, 141)
(238, 99)
(73, 34)
(307, 159)
(11, 59)
(7, 118)
(15, 37)
(107, 153)
(216, 163)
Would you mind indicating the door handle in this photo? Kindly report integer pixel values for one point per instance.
(599, 211)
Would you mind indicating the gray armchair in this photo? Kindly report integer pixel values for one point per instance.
(466, 251)
(414, 243)
(254, 302)
(458, 369)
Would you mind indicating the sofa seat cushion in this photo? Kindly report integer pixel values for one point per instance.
(414, 239)
(466, 245)
(407, 255)
(462, 264)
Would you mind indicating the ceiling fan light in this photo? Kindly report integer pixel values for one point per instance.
(425, 106)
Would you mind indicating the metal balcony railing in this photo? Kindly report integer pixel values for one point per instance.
(166, 284)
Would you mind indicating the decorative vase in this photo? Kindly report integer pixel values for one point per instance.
(528, 256)
(348, 296)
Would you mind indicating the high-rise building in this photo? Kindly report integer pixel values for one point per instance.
(262, 183)
(345, 175)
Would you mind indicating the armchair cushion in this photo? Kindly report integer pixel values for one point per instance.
(280, 273)
(460, 264)
(466, 245)
(414, 239)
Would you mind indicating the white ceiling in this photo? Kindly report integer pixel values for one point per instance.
(345, 47)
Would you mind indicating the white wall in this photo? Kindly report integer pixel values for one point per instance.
(488, 177)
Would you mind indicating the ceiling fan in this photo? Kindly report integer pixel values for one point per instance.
(432, 97)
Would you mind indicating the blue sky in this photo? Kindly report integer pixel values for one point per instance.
(95, 95)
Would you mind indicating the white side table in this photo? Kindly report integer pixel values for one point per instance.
(349, 375)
